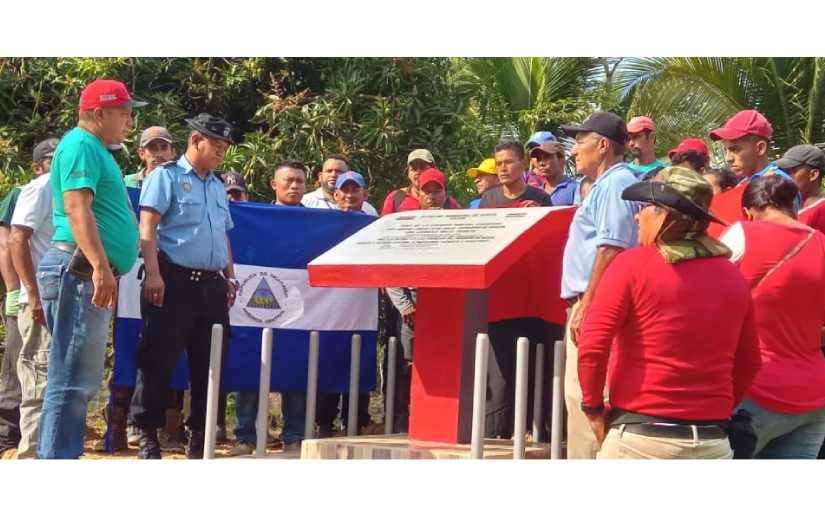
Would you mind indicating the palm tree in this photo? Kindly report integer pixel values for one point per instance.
(515, 96)
(689, 96)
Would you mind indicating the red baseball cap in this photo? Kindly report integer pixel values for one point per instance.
(106, 93)
(743, 123)
(690, 144)
(638, 124)
(430, 175)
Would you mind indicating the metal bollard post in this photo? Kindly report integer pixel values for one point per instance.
(312, 385)
(354, 375)
(479, 395)
(557, 419)
(262, 419)
(520, 411)
(389, 402)
(538, 395)
(213, 391)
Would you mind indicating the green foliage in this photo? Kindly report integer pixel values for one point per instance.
(513, 97)
(375, 110)
(38, 98)
(689, 96)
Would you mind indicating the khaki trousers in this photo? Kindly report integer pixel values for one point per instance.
(624, 445)
(581, 443)
(31, 368)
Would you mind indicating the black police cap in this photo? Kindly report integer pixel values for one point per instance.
(212, 126)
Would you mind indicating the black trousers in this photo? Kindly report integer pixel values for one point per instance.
(501, 373)
(183, 323)
(328, 409)
(403, 368)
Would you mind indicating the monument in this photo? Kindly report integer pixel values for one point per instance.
(467, 266)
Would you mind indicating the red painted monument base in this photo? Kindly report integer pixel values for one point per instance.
(454, 258)
(441, 394)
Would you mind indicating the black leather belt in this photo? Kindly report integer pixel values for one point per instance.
(195, 275)
(671, 431)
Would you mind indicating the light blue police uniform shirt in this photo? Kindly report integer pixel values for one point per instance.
(602, 219)
(194, 215)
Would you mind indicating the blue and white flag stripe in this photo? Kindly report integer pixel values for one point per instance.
(271, 247)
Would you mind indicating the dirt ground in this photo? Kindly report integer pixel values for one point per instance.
(96, 427)
(96, 421)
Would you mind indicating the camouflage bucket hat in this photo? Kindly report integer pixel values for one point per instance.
(677, 188)
(687, 196)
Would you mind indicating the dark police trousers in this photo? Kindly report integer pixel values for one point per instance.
(184, 322)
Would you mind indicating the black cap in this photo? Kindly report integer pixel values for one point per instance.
(802, 155)
(44, 149)
(233, 181)
(605, 123)
(212, 126)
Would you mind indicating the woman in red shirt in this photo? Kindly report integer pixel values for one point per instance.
(671, 331)
(783, 261)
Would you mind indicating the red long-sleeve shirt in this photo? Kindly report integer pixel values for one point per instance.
(683, 336)
(789, 309)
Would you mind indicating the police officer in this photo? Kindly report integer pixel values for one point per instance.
(190, 279)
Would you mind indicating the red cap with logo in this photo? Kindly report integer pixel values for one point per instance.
(690, 144)
(743, 123)
(106, 93)
(430, 175)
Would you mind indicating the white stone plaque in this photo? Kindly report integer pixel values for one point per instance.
(435, 237)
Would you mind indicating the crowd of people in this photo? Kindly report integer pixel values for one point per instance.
(678, 344)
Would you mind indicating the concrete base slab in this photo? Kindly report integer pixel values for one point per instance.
(400, 446)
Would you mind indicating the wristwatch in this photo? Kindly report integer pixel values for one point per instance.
(588, 409)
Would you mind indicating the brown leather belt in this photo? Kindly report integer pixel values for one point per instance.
(79, 265)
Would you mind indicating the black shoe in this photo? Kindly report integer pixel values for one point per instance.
(149, 446)
(220, 435)
(194, 446)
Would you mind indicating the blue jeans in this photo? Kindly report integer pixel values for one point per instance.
(294, 409)
(246, 408)
(79, 331)
(786, 436)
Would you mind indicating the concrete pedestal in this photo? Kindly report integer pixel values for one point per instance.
(399, 446)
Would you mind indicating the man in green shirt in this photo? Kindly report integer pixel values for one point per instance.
(641, 142)
(156, 148)
(95, 240)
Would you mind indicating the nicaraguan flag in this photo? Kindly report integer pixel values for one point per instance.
(272, 246)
